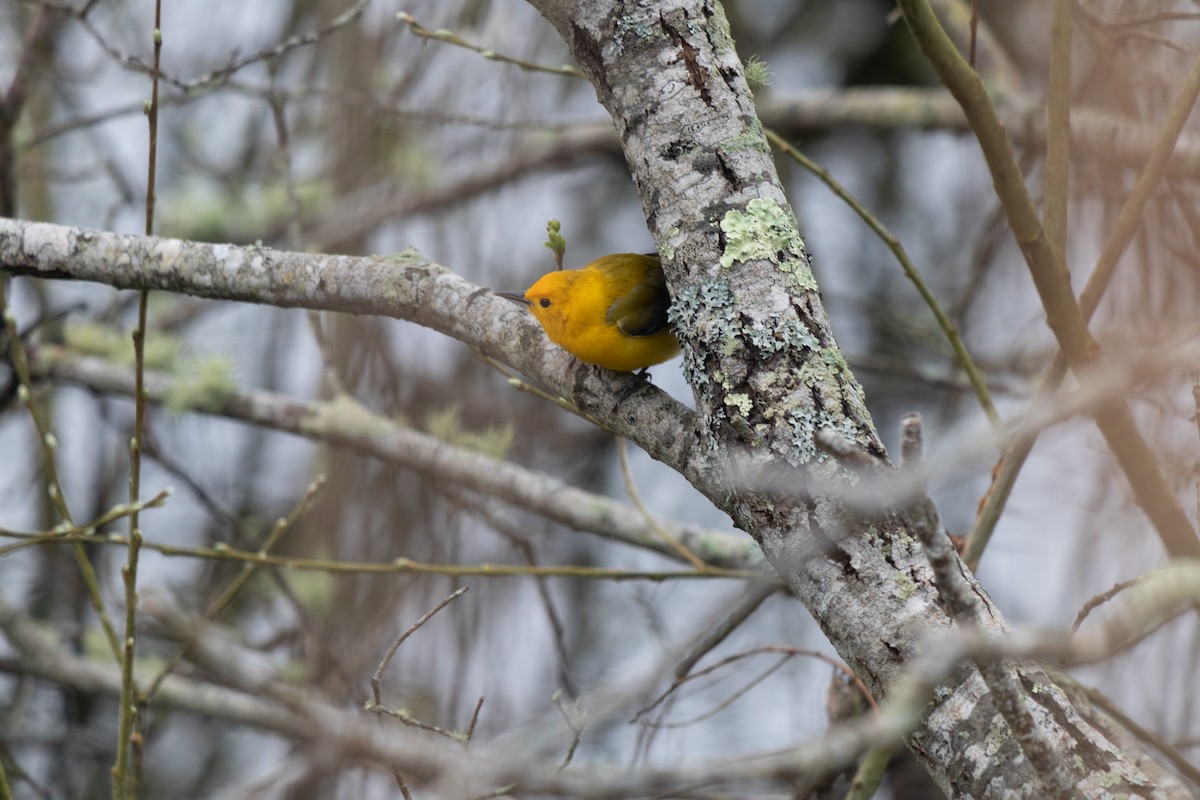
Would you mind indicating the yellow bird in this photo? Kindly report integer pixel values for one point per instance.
(613, 312)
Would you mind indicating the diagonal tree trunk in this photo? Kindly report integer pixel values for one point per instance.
(764, 366)
(767, 374)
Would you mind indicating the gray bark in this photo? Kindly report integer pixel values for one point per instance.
(766, 374)
(866, 582)
(758, 352)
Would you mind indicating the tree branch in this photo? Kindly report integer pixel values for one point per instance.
(1052, 280)
(345, 423)
(767, 375)
(404, 286)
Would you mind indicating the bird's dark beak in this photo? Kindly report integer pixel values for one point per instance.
(515, 297)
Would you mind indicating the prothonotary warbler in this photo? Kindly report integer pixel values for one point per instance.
(613, 312)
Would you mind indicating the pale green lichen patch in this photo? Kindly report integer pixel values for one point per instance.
(799, 274)
(344, 414)
(398, 288)
(160, 352)
(811, 374)
(750, 139)
(730, 345)
(201, 384)
(758, 73)
(764, 231)
(494, 440)
(740, 401)
(667, 248)
(408, 257)
(831, 375)
(718, 29)
(832, 357)
(905, 587)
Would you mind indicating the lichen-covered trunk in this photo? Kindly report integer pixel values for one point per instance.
(767, 374)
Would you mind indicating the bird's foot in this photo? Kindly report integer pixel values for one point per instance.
(636, 381)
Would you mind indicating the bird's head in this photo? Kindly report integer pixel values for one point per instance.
(547, 298)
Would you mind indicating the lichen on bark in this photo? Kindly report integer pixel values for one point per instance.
(766, 371)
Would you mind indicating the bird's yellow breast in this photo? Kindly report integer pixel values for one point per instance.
(612, 312)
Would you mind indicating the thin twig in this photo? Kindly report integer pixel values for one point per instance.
(789, 651)
(519, 542)
(728, 701)
(1172, 754)
(5, 790)
(294, 232)
(1051, 278)
(1056, 184)
(450, 37)
(404, 792)
(521, 385)
(399, 566)
(90, 528)
(474, 721)
(1100, 599)
(295, 235)
(974, 39)
(1196, 416)
(391, 651)
(758, 593)
(218, 606)
(49, 445)
(125, 781)
(221, 74)
(631, 489)
(576, 720)
(961, 354)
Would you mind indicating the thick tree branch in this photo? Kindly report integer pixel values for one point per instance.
(1159, 598)
(405, 286)
(767, 374)
(759, 353)
(345, 423)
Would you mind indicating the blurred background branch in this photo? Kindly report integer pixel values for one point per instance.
(328, 126)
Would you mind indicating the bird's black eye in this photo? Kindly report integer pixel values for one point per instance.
(544, 302)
